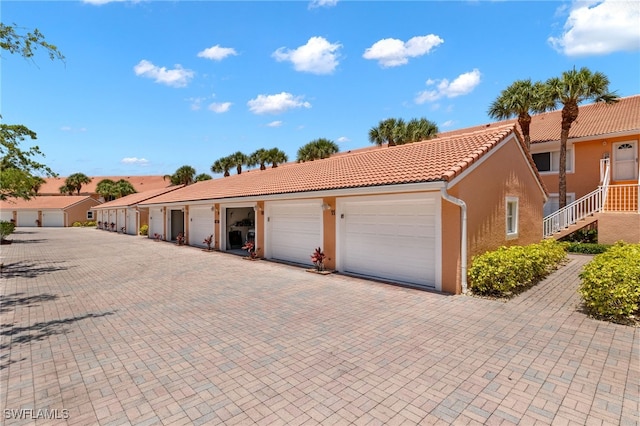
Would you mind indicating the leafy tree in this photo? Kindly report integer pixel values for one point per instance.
(203, 176)
(317, 149)
(222, 165)
(569, 90)
(238, 159)
(518, 100)
(184, 175)
(76, 180)
(18, 168)
(276, 156)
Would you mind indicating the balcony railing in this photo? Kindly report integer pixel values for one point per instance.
(573, 212)
(622, 198)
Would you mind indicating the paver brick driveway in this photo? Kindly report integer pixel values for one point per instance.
(99, 328)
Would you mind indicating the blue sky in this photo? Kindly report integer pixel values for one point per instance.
(149, 86)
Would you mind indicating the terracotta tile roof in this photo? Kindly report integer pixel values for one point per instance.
(45, 202)
(133, 199)
(439, 159)
(593, 120)
(140, 183)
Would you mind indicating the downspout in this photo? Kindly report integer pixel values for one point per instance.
(463, 236)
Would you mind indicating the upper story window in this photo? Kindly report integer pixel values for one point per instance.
(550, 161)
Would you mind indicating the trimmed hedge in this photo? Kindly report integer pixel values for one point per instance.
(503, 271)
(85, 223)
(587, 248)
(144, 230)
(610, 285)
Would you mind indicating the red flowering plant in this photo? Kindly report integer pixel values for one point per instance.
(318, 259)
(208, 241)
(250, 248)
(180, 239)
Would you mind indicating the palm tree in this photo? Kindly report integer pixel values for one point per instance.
(222, 165)
(36, 183)
(259, 157)
(76, 181)
(317, 149)
(122, 188)
(238, 159)
(104, 188)
(518, 100)
(391, 131)
(66, 189)
(203, 176)
(571, 89)
(420, 130)
(276, 156)
(183, 176)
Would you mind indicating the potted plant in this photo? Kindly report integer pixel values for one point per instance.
(123, 230)
(113, 226)
(99, 224)
(208, 241)
(157, 237)
(318, 258)
(180, 239)
(250, 248)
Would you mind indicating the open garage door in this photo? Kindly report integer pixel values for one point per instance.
(391, 237)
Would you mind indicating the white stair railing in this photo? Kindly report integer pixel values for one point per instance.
(581, 208)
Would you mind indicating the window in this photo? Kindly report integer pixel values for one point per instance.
(553, 203)
(90, 215)
(550, 161)
(512, 217)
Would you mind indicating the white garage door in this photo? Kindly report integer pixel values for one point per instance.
(200, 225)
(294, 230)
(155, 222)
(6, 215)
(132, 224)
(27, 218)
(121, 220)
(53, 218)
(392, 238)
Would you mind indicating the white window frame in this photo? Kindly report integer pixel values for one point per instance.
(511, 218)
(555, 165)
(89, 214)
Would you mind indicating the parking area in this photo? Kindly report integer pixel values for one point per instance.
(100, 328)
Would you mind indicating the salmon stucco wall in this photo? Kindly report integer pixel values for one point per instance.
(504, 173)
(259, 227)
(586, 174)
(78, 212)
(451, 236)
(329, 237)
(614, 227)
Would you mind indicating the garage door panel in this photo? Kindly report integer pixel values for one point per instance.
(155, 222)
(294, 230)
(53, 219)
(132, 225)
(27, 218)
(392, 239)
(6, 215)
(201, 223)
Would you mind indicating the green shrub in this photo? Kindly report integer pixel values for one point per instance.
(610, 285)
(587, 248)
(6, 229)
(503, 271)
(76, 224)
(144, 230)
(85, 223)
(584, 235)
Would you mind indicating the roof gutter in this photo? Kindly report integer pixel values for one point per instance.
(463, 237)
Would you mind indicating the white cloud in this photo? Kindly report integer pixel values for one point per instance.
(276, 104)
(135, 160)
(177, 77)
(217, 53)
(448, 123)
(196, 103)
(318, 56)
(391, 52)
(276, 123)
(342, 139)
(462, 85)
(220, 107)
(74, 130)
(600, 27)
(322, 3)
